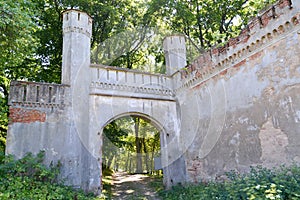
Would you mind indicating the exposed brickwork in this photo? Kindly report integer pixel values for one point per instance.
(223, 72)
(243, 62)
(22, 115)
(284, 3)
(256, 24)
(195, 169)
(256, 55)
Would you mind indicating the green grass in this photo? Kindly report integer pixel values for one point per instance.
(157, 184)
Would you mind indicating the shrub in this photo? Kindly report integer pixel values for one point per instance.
(260, 183)
(28, 178)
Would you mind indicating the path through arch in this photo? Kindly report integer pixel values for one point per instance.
(130, 144)
(137, 186)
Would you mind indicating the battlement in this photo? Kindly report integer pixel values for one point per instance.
(31, 94)
(274, 23)
(77, 21)
(115, 81)
(174, 42)
(175, 53)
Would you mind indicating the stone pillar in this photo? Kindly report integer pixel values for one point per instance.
(77, 31)
(175, 53)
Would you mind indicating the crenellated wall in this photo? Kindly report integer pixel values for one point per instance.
(40, 120)
(275, 22)
(240, 104)
(29, 102)
(45, 116)
(31, 94)
(130, 83)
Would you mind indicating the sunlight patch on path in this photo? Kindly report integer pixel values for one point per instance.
(133, 187)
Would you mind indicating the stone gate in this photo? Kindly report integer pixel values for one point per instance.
(233, 107)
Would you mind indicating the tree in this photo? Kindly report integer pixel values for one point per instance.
(155, 147)
(146, 141)
(205, 23)
(130, 144)
(112, 141)
(138, 144)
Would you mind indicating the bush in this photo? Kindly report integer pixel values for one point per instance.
(28, 178)
(260, 183)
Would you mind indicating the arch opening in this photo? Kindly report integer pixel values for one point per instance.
(131, 144)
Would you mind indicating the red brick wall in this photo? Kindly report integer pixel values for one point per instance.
(22, 115)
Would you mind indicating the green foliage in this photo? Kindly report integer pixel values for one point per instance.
(259, 184)
(157, 183)
(126, 136)
(28, 178)
(107, 183)
(3, 122)
(17, 42)
(205, 23)
(113, 140)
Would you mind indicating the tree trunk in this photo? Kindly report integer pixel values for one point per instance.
(127, 162)
(139, 167)
(116, 163)
(146, 155)
(201, 38)
(152, 156)
(109, 162)
(130, 164)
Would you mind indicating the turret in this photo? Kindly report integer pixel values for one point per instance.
(77, 31)
(175, 53)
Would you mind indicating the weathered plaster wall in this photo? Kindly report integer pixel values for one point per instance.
(241, 107)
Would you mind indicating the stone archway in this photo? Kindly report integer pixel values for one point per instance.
(161, 113)
(108, 108)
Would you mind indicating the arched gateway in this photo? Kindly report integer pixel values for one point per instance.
(67, 120)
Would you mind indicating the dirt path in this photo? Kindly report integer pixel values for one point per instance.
(136, 186)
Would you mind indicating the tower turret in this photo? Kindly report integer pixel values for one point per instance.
(77, 31)
(175, 53)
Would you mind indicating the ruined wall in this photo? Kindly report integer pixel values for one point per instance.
(67, 120)
(240, 104)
